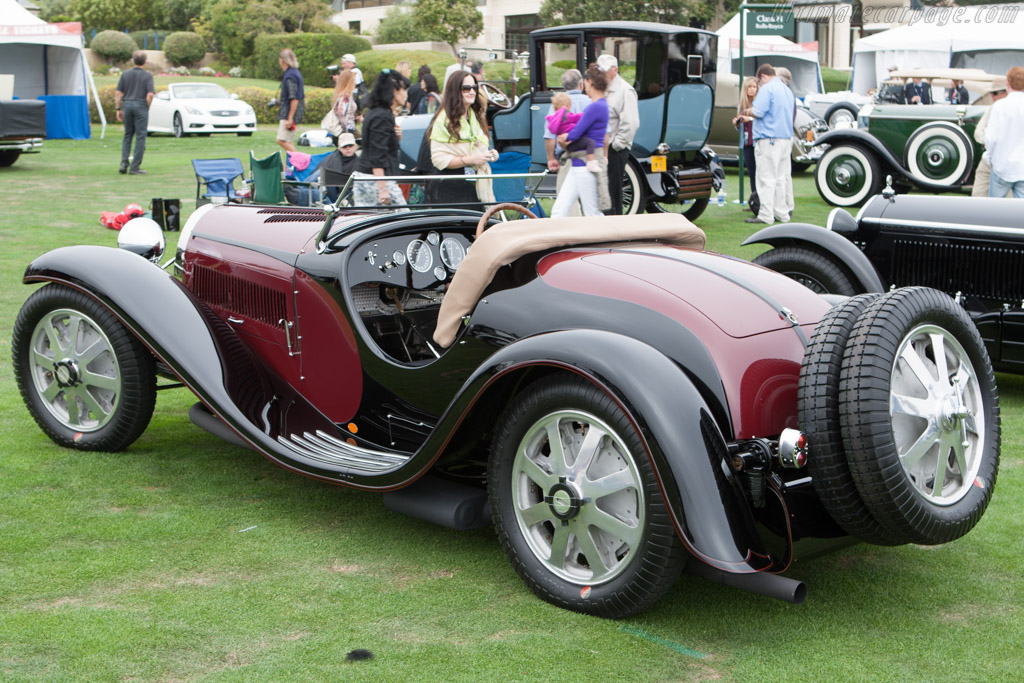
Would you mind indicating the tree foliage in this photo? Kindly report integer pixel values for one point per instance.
(555, 12)
(450, 20)
(399, 25)
(232, 25)
(118, 15)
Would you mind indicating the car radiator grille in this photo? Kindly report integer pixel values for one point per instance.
(983, 271)
(238, 296)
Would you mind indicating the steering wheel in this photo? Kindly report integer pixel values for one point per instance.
(495, 96)
(507, 206)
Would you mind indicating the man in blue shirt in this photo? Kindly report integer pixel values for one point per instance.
(773, 110)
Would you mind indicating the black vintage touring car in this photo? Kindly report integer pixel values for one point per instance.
(619, 410)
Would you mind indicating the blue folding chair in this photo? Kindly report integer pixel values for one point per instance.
(303, 187)
(515, 190)
(218, 177)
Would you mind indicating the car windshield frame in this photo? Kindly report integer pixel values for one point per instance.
(199, 91)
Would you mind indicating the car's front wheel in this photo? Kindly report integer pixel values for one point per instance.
(920, 414)
(88, 382)
(841, 114)
(846, 175)
(576, 504)
(811, 268)
(177, 127)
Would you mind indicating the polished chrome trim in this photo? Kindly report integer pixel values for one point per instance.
(324, 448)
(910, 223)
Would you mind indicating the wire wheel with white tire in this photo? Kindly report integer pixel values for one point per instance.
(88, 382)
(920, 416)
(634, 194)
(940, 153)
(841, 114)
(576, 504)
(846, 175)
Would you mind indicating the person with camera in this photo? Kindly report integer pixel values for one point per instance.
(381, 134)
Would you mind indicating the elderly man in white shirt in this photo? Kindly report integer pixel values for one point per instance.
(1004, 138)
(623, 123)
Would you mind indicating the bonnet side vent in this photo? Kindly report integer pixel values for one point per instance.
(239, 297)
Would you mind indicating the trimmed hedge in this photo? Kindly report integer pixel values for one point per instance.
(315, 51)
(114, 46)
(318, 101)
(184, 48)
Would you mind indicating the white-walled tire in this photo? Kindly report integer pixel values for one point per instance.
(939, 153)
(846, 175)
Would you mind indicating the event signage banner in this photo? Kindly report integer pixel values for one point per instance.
(770, 22)
(72, 28)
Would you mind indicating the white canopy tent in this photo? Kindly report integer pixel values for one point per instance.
(47, 60)
(979, 39)
(800, 58)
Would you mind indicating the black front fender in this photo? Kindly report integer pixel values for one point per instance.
(861, 138)
(837, 246)
(202, 350)
(683, 443)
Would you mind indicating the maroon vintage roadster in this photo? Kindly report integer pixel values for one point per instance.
(620, 404)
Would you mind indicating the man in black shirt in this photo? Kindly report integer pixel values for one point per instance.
(918, 92)
(132, 98)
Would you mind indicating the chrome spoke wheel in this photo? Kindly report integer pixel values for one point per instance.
(74, 370)
(577, 497)
(937, 414)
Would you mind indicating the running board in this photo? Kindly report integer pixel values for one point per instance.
(324, 448)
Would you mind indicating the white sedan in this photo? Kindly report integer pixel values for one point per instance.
(204, 108)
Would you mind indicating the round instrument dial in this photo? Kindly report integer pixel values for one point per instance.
(398, 257)
(452, 253)
(440, 273)
(420, 257)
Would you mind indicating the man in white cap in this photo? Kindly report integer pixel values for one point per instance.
(348, 63)
(623, 122)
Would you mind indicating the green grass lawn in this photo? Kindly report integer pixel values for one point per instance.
(184, 558)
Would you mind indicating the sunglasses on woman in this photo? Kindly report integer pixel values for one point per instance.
(469, 88)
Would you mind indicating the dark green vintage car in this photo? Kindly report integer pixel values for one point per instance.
(930, 147)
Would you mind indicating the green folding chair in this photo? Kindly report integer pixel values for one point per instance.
(266, 179)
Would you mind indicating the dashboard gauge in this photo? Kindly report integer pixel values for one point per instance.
(440, 273)
(398, 257)
(452, 253)
(420, 257)
(433, 237)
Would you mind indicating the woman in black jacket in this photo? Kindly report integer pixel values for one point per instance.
(380, 144)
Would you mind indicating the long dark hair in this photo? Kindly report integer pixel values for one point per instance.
(383, 93)
(429, 83)
(455, 108)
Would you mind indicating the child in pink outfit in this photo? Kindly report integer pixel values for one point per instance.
(562, 121)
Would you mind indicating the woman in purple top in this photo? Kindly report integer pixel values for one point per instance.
(581, 184)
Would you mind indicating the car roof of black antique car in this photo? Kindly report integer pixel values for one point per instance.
(620, 27)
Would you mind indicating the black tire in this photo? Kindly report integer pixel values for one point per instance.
(634, 193)
(8, 157)
(692, 211)
(846, 175)
(887, 410)
(798, 166)
(640, 556)
(108, 376)
(811, 268)
(818, 406)
(840, 111)
(177, 127)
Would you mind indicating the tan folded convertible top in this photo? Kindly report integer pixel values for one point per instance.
(504, 243)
